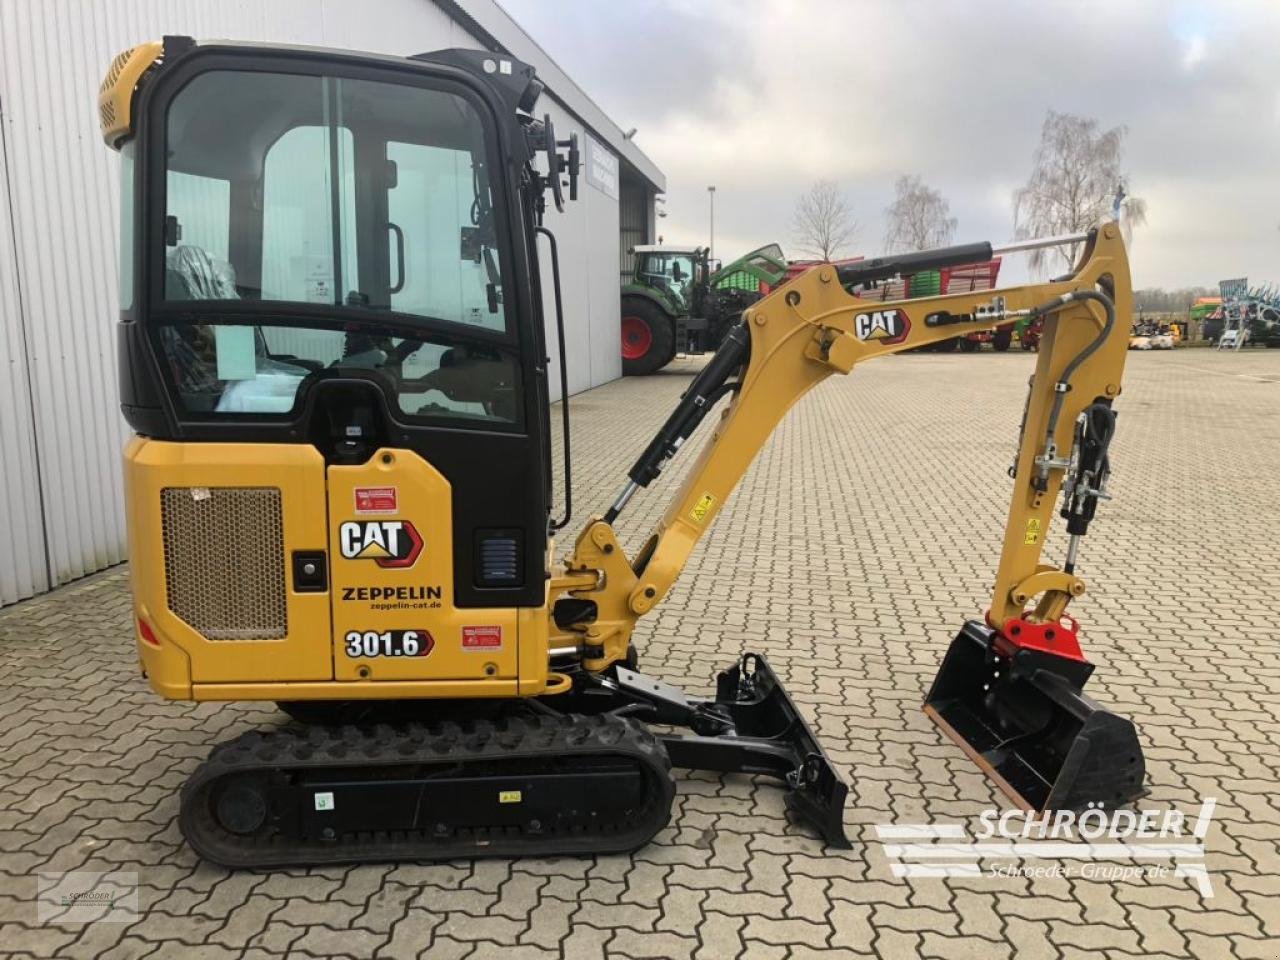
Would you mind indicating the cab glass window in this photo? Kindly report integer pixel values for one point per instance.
(331, 192)
(260, 369)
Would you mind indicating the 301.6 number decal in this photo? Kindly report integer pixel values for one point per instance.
(388, 643)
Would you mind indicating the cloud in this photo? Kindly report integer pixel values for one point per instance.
(761, 98)
(1197, 48)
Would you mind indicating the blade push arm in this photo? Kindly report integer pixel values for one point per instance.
(811, 328)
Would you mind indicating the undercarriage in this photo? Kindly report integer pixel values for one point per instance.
(573, 774)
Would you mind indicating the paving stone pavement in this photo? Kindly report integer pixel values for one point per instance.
(862, 537)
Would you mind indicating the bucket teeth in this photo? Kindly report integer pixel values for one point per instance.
(1025, 720)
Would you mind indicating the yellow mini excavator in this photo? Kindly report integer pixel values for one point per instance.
(332, 354)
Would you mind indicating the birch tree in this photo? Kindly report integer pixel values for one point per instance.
(1076, 178)
(824, 222)
(918, 219)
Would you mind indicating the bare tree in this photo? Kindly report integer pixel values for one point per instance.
(919, 217)
(1158, 300)
(824, 221)
(1075, 177)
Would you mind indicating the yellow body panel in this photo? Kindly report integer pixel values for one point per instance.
(466, 644)
(115, 95)
(470, 652)
(298, 472)
(370, 690)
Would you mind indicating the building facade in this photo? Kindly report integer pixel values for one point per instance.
(61, 507)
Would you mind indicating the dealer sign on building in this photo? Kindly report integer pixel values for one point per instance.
(602, 168)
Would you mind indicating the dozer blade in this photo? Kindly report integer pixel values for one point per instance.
(765, 734)
(1022, 716)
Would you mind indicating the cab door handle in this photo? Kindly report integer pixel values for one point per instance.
(399, 235)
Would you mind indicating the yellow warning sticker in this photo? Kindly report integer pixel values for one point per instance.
(510, 796)
(1032, 536)
(700, 509)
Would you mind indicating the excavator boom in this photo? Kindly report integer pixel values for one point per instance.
(1010, 688)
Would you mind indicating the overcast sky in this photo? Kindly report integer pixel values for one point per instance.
(762, 98)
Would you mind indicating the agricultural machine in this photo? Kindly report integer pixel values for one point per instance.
(680, 301)
(1248, 315)
(1153, 334)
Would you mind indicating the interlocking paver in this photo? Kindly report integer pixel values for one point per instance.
(861, 538)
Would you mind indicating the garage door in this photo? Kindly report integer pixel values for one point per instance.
(633, 227)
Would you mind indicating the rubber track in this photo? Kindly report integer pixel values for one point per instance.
(315, 748)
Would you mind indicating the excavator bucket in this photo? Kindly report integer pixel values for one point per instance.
(1022, 716)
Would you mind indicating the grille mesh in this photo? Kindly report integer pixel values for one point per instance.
(113, 72)
(224, 560)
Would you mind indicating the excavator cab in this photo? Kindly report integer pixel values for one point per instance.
(331, 286)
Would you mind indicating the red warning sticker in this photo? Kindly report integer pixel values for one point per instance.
(376, 500)
(481, 638)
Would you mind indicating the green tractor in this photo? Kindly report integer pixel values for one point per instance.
(680, 301)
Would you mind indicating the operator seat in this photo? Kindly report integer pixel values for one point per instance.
(192, 273)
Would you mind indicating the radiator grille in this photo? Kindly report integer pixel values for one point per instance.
(224, 561)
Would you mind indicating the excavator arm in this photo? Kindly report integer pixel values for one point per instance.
(814, 327)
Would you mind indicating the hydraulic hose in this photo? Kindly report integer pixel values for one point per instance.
(1064, 381)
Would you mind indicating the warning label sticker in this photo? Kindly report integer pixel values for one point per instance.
(376, 500)
(1032, 534)
(482, 638)
(700, 509)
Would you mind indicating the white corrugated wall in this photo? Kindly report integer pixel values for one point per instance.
(60, 429)
(22, 556)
